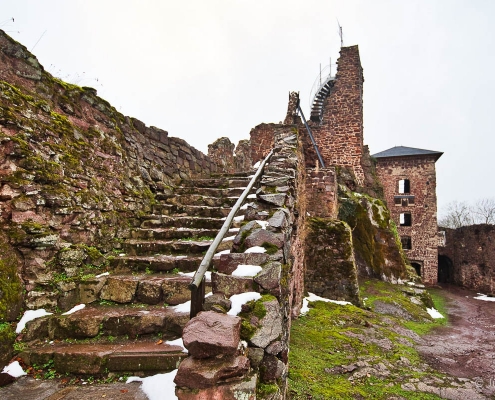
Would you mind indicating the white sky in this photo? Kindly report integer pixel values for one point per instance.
(205, 69)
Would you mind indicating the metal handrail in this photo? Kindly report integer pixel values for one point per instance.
(311, 135)
(197, 285)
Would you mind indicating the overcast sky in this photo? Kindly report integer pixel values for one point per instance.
(205, 69)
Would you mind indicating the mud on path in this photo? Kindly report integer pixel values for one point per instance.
(465, 348)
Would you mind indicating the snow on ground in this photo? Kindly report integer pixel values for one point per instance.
(186, 307)
(484, 297)
(263, 224)
(29, 315)
(239, 218)
(14, 369)
(217, 255)
(239, 299)
(157, 387)
(251, 196)
(74, 309)
(104, 274)
(257, 165)
(314, 297)
(228, 238)
(434, 313)
(245, 206)
(234, 230)
(256, 249)
(177, 342)
(246, 270)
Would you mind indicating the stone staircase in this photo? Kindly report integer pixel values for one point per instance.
(133, 315)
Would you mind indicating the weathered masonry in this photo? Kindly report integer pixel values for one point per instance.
(409, 181)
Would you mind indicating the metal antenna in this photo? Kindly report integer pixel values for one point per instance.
(340, 34)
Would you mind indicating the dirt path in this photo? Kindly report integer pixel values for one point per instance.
(465, 348)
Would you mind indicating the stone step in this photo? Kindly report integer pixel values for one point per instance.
(218, 182)
(172, 289)
(172, 233)
(166, 221)
(108, 321)
(232, 175)
(102, 358)
(156, 263)
(201, 211)
(199, 200)
(211, 191)
(135, 247)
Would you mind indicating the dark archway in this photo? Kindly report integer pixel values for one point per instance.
(417, 267)
(445, 270)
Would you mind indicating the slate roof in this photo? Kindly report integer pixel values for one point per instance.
(402, 151)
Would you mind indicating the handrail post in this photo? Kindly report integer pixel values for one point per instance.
(197, 298)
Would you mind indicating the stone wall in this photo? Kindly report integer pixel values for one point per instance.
(321, 192)
(420, 170)
(468, 258)
(74, 171)
(262, 139)
(221, 152)
(339, 136)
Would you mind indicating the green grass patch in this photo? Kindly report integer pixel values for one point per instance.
(331, 336)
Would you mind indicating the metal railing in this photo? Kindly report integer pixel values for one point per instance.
(311, 135)
(197, 285)
(321, 80)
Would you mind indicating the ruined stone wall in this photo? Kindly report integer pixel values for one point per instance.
(321, 192)
(262, 139)
(221, 152)
(74, 171)
(340, 134)
(420, 171)
(468, 258)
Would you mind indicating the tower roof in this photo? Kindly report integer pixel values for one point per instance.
(402, 151)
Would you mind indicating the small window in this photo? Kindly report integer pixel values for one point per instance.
(404, 186)
(404, 201)
(406, 242)
(405, 219)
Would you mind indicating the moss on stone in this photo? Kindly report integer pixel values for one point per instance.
(10, 284)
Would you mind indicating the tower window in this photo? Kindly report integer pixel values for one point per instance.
(405, 219)
(406, 242)
(404, 186)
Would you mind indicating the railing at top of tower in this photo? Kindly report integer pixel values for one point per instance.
(197, 285)
(321, 80)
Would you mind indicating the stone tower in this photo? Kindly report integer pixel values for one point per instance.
(409, 182)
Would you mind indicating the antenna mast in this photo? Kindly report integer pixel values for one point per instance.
(340, 34)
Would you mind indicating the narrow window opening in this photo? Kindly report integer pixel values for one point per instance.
(406, 242)
(405, 219)
(404, 186)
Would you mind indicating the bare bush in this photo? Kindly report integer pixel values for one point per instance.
(458, 214)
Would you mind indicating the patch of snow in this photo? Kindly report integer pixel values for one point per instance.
(228, 238)
(256, 249)
(217, 255)
(251, 176)
(251, 196)
(184, 307)
(263, 224)
(239, 218)
(29, 316)
(104, 274)
(157, 387)
(484, 297)
(74, 309)
(144, 311)
(180, 257)
(245, 206)
(247, 270)
(411, 283)
(239, 299)
(122, 255)
(234, 229)
(434, 313)
(14, 369)
(257, 165)
(314, 297)
(177, 342)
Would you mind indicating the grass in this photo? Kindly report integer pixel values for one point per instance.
(330, 336)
